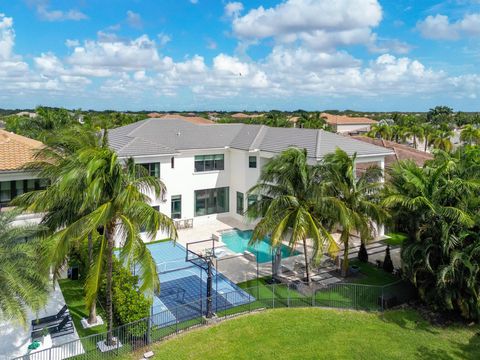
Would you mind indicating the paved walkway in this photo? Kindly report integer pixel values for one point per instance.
(14, 339)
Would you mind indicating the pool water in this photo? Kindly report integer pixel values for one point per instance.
(237, 241)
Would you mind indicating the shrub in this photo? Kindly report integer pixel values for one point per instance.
(129, 304)
(362, 253)
(387, 262)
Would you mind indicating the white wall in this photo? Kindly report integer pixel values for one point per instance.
(352, 128)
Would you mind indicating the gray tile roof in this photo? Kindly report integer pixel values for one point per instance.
(169, 136)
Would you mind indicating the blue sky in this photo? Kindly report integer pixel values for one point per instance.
(250, 55)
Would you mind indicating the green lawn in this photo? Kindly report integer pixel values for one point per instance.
(395, 239)
(339, 295)
(322, 334)
(74, 297)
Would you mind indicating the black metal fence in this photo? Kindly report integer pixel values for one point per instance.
(167, 323)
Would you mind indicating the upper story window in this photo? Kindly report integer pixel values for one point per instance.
(209, 162)
(153, 169)
(252, 162)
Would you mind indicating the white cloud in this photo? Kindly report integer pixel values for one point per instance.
(164, 39)
(439, 27)
(134, 20)
(44, 12)
(115, 55)
(72, 43)
(318, 22)
(194, 2)
(233, 9)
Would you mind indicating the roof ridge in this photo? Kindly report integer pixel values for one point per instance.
(261, 132)
(317, 144)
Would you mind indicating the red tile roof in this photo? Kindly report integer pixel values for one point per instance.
(402, 152)
(16, 151)
(346, 120)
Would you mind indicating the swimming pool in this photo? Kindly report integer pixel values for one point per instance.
(237, 241)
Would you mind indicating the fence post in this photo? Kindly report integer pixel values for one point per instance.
(176, 319)
(273, 296)
(249, 304)
(288, 295)
(382, 299)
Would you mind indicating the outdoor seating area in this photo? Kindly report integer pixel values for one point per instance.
(183, 223)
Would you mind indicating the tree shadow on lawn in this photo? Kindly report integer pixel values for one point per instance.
(470, 351)
(408, 319)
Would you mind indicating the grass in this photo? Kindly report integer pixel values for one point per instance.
(395, 239)
(339, 295)
(74, 297)
(322, 334)
(371, 275)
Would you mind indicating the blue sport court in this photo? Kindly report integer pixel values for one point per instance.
(183, 284)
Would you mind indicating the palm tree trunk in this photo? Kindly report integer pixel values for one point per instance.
(109, 305)
(414, 141)
(345, 239)
(92, 314)
(426, 143)
(307, 271)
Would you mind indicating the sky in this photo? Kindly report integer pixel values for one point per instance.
(368, 55)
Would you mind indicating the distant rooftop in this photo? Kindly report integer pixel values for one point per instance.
(192, 119)
(169, 136)
(400, 151)
(346, 120)
(16, 151)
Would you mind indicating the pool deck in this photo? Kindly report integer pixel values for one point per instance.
(240, 267)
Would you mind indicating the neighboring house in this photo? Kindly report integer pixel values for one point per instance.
(400, 151)
(208, 169)
(245, 116)
(15, 152)
(27, 114)
(348, 125)
(193, 119)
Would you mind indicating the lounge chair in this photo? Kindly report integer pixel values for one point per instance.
(62, 328)
(37, 323)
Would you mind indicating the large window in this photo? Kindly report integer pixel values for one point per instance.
(211, 201)
(252, 162)
(10, 189)
(251, 200)
(176, 209)
(209, 162)
(240, 200)
(153, 169)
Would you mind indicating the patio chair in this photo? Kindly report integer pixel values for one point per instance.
(62, 328)
(37, 323)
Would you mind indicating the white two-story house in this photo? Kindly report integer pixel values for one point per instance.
(208, 169)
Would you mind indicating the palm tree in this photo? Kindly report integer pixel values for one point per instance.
(289, 204)
(353, 198)
(437, 205)
(416, 132)
(114, 206)
(22, 285)
(51, 163)
(470, 135)
(441, 139)
(428, 131)
(381, 130)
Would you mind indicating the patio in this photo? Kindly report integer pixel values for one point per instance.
(243, 267)
(14, 338)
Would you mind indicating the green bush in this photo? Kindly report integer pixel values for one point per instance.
(129, 304)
